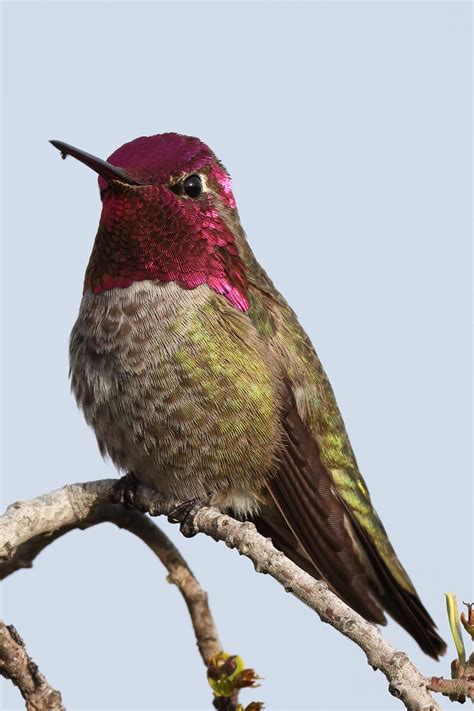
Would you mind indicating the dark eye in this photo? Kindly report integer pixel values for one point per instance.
(192, 186)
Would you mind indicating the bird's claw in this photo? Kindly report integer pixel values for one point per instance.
(124, 491)
(184, 515)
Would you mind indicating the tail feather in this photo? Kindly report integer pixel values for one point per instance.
(405, 607)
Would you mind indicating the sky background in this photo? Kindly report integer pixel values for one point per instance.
(346, 128)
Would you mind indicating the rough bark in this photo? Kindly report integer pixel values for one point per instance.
(17, 665)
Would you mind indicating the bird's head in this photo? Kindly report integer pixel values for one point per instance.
(168, 214)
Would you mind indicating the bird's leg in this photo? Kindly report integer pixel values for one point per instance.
(184, 515)
(124, 491)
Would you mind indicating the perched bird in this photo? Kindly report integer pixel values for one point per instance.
(197, 377)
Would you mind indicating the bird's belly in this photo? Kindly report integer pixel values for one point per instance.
(178, 389)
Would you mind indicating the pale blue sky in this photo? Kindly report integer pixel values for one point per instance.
(346, 128)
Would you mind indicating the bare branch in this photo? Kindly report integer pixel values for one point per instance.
(179, 573)
(17, 665)
(405, 681)
(68, 506)
(72, 505)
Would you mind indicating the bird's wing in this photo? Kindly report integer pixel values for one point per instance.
(317, 490)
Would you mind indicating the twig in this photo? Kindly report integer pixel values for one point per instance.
(179, 573)
(72, 505)
(17, 665)
(452, 687)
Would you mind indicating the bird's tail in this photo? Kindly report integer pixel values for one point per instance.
(385, 593)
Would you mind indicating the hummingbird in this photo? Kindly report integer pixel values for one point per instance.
(197, 377)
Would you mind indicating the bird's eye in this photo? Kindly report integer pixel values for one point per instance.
(192, 186)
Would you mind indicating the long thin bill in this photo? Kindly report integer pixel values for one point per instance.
(106, 170)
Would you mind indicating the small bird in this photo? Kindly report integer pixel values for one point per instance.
(197, 377)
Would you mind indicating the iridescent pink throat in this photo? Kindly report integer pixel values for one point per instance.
(151, 233)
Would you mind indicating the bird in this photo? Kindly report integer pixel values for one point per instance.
(197, 377)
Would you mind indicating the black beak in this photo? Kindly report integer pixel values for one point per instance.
(106, 170)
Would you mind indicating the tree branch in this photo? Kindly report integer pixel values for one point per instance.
(17, 665)
(132, 520)
(73, 505)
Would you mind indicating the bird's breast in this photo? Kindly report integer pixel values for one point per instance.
(178, 387)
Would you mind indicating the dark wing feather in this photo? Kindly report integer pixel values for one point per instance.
(302, 492)
(308, 520)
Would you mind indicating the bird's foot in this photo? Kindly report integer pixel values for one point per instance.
(124, 491)
(184, 515)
